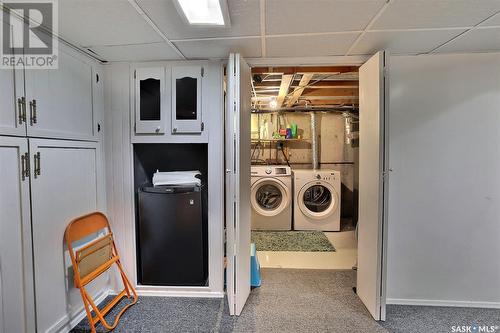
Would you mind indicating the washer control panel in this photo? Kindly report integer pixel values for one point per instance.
(326, 177)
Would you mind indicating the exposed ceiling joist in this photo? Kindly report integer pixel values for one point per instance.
(285, 85)
(302, 70)
(304, 81)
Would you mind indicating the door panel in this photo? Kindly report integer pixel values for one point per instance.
(238, 183)
(372, 168)
(59, 101)
(11, 101)
(186, 99)
(65, 187)
(16, 274)
(150, 100)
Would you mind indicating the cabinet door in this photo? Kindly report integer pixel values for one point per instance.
(186, 99)
(150, 106)
(12, 117)
(64, 185)
(59, 101)
(16, 270)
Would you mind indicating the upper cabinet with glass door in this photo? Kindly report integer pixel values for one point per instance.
(150, 106)
(186, 99)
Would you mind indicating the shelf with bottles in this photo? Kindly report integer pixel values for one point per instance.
(256, 140)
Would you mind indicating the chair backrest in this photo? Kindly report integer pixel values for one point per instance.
(86, 225)
(90, 257)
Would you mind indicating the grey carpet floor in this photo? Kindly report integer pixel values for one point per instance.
(292, 300)
(416, 319)
(302, 241)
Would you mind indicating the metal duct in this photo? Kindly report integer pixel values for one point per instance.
(348, 128)
(314, 142)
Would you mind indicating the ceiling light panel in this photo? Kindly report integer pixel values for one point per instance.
(204, 12)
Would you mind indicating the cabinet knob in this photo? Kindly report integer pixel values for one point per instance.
(174, 129)
(157, 130)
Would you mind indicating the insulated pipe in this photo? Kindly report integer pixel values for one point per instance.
(314, 142)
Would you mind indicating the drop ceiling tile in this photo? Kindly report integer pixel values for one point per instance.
(299, 16)
(244, 16)
(310, 45)
(492, 21)
(414, 14)
(404, 42)
(136, 52)
(477, 40)
(219, 48)
(97, 22)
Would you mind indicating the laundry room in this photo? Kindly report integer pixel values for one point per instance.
(305, 157)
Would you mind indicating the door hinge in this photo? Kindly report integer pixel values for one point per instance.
(135, 128)
(202, 72)
(234, 250)
(36, 165)
(135, 74)
(202, 126)
(96, 78)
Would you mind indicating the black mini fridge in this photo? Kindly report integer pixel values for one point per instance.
(171, 236)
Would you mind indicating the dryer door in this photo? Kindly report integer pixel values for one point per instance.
(269, 196)
(318, 199)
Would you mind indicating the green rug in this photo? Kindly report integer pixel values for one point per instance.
(301, 241)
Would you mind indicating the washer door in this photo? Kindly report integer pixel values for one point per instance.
(318, 199)
(269, 196)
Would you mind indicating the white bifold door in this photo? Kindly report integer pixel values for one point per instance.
(65, 184)
(17, 311)
(237, 144)
(373, 167)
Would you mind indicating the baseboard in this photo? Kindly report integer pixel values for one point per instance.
(450, 303)
(180, 293)
(66, 323)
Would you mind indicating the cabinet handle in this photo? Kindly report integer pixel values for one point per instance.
(23, 167)
(33, 112)
(21, 105)
(37, 166)
(20, 110)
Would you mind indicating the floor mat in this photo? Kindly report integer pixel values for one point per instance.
(302, 241)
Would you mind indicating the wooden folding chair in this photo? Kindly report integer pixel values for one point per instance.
(92, 260)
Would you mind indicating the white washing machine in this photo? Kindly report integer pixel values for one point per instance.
(271, 198)
(317, 200)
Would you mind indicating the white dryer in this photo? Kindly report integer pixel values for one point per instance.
(317, 200)
(271, 198)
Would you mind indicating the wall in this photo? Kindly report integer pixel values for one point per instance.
(333, 152)
(444, 192)
(119, 136)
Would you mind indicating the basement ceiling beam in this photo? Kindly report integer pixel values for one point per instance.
(302, 70)
(285, 85)
(317, 85)
(304, 81)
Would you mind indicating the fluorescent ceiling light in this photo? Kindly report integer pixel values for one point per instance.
(204, 12)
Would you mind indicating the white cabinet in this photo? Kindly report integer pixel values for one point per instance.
(16, 273)
(64, 185)
(186, 99)
(59, 101)
(150, 100)
(12, 117)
